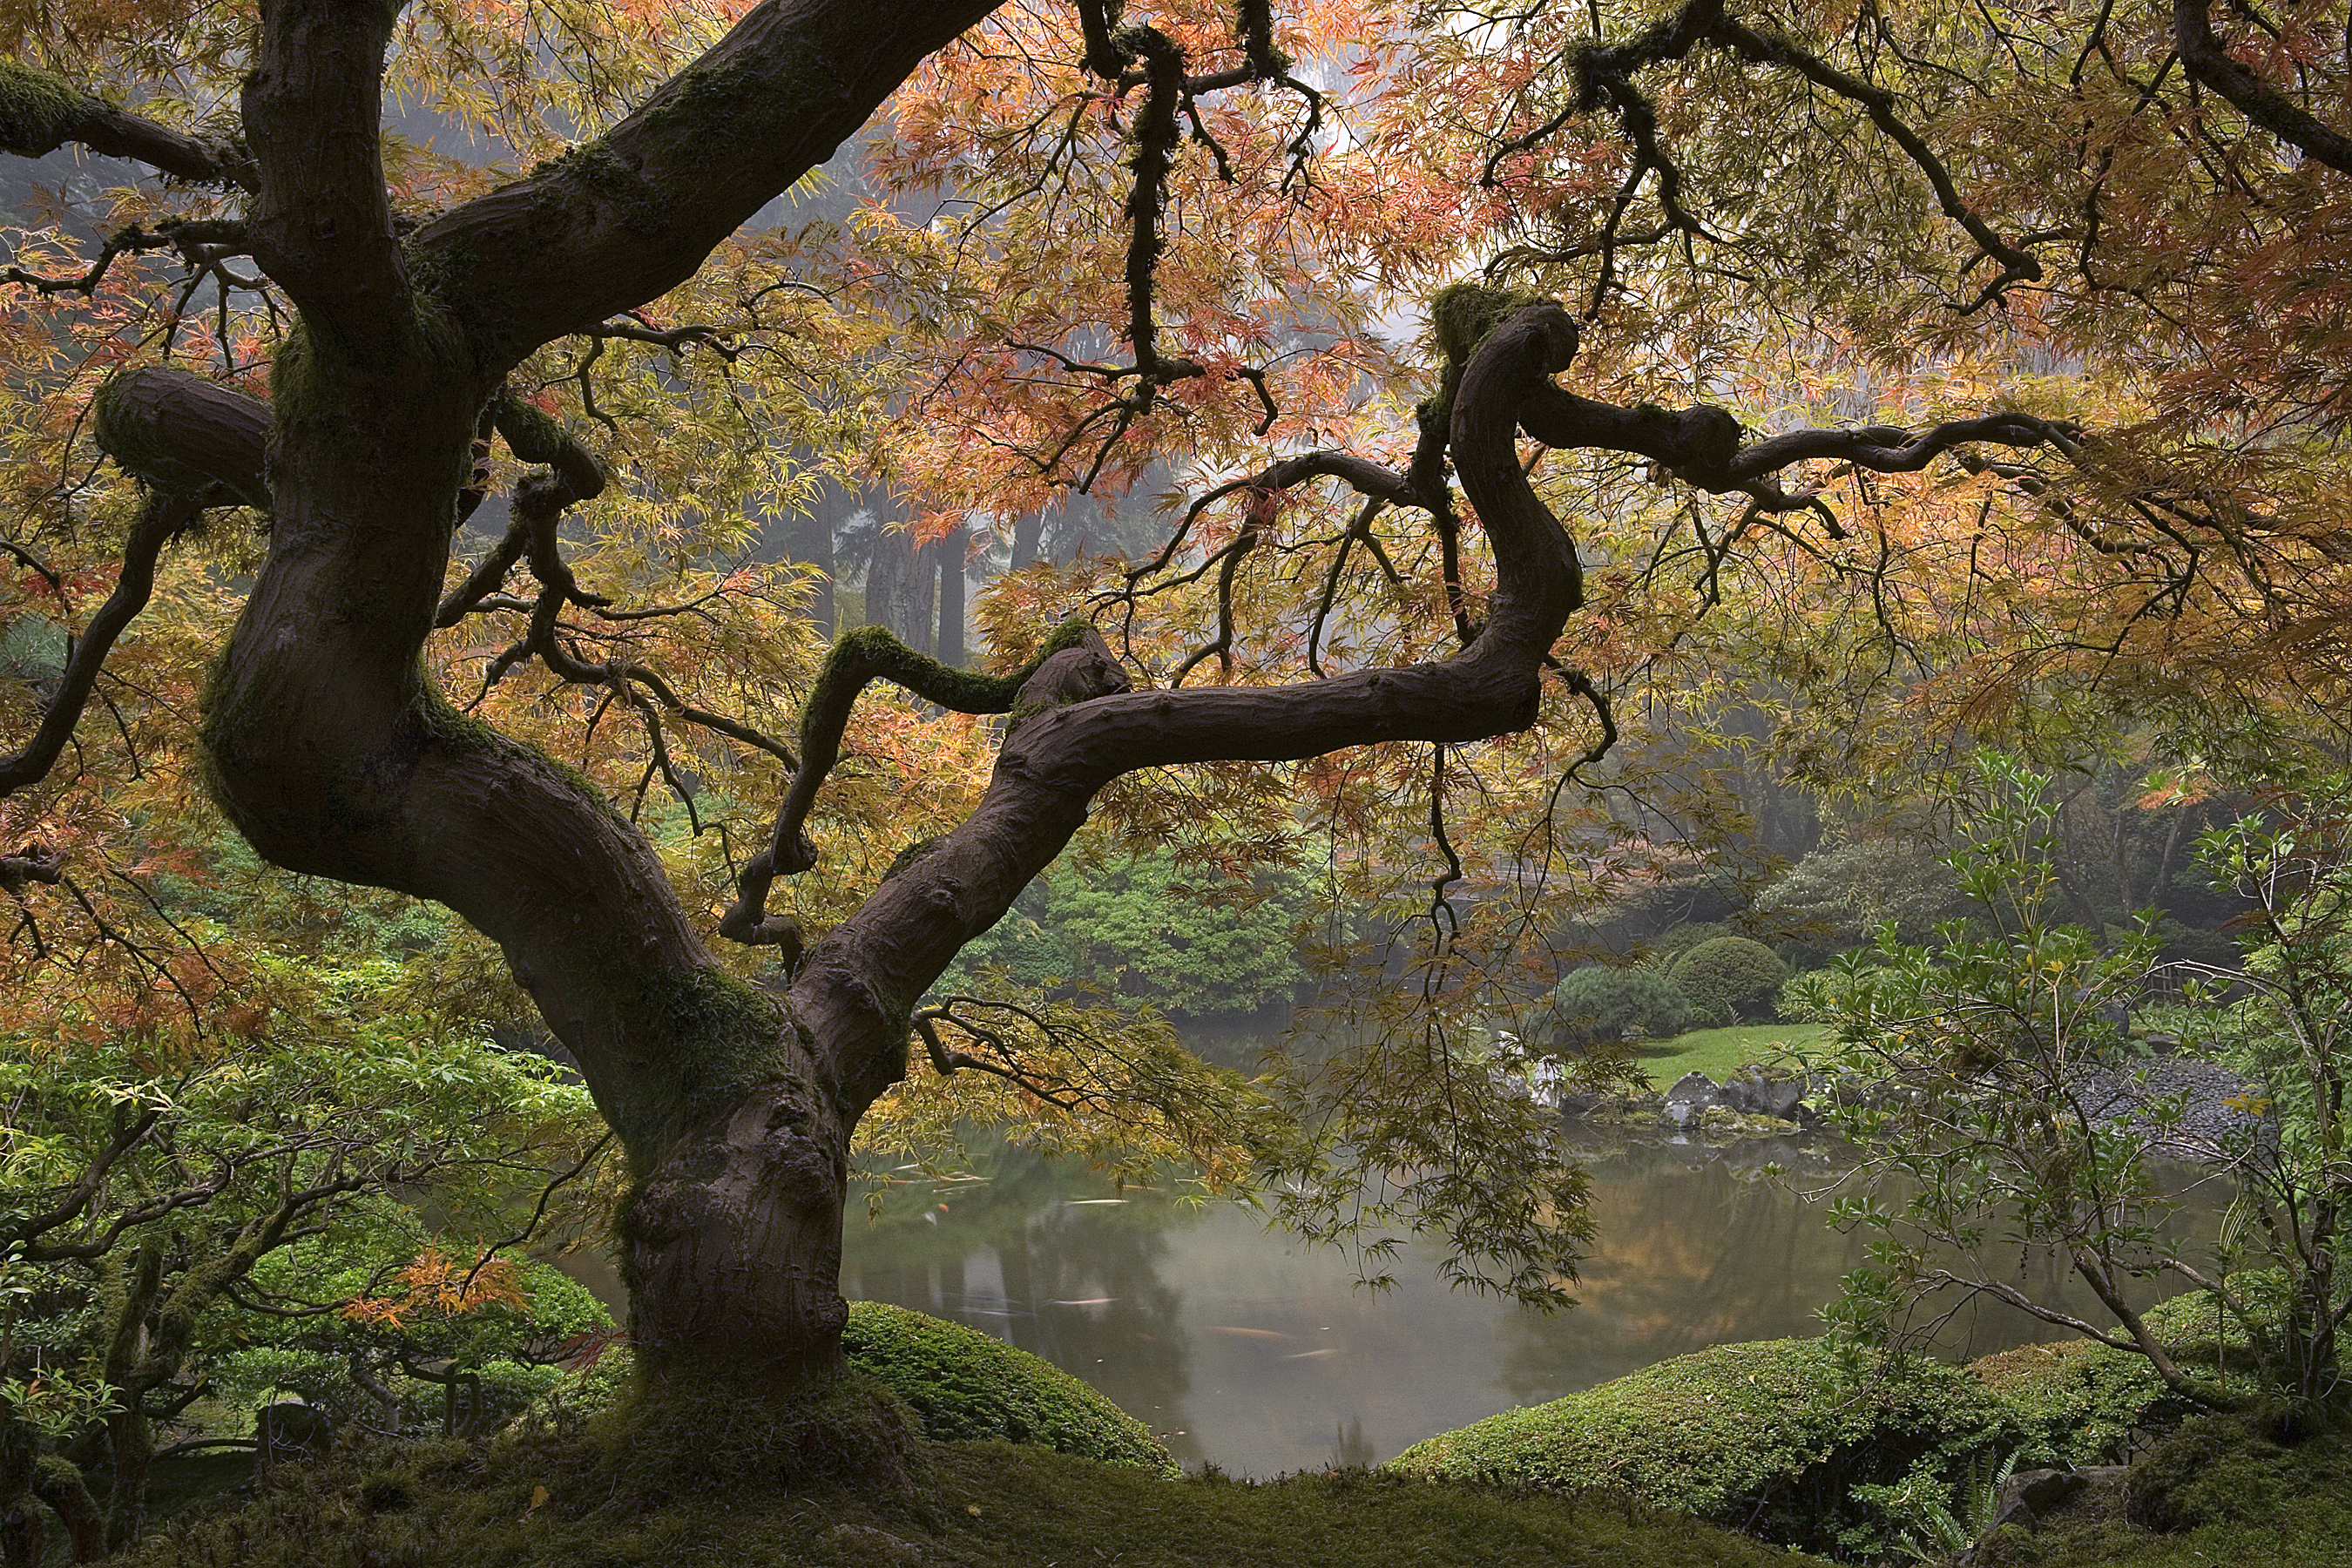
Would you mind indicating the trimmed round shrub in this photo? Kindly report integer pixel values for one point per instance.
(963, 1384)
(1771, 1437)
(1730, 978)
(1599, 1007)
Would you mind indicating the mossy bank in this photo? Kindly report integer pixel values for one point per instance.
(547, 1498)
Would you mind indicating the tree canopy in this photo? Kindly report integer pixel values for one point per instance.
(397, 500)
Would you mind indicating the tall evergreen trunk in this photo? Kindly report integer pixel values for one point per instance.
(954, 549)
(1028, 540)
(886, 575)
(808, 541)
(921, 630)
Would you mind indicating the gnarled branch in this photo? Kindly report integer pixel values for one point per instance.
(859, 658)
(40, 113)
(2208, 62)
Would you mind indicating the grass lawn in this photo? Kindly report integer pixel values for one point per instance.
(1716, 1052)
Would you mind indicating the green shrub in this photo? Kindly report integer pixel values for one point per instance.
(513, 1351)
(964, 1384)
(2077, 1402)
(1814, 996)
(1771, 1437)
(1173, 934)
(1729, 978)
(1601, 1006)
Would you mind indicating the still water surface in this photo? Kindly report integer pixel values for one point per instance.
(1243, 1347)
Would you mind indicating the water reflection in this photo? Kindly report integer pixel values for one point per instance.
(1243, 1347)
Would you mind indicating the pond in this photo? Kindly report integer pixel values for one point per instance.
(1243, 1347)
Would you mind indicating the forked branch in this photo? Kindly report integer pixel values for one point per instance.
(858, 660)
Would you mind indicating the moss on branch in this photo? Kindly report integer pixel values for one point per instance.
(724, 1038)
(1461, 316)
(37, 111)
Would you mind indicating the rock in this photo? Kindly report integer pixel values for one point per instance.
(2027, 1497)
(1758, 1092)
(1694, 1090)
(292, 1430)
(2037, 1492)
(1719, 1122)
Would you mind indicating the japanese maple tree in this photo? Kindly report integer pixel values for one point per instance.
(1178, 230)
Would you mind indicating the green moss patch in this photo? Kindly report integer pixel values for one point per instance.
(37, 111)
(1771, 1437)
(963, 1385)
(547, 1498)
(2220, 1490)
(716, 1442)
(1460, 316)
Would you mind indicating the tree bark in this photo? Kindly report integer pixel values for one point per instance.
(733, 1247)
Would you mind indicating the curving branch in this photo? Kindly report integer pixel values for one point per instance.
(1005, 1058)
(1764, 49)
(573, 474)
(163, 515)
(1701, 445)
(1072, 661)
(2202, 53)
(1604, 74)
(204, 244)
(625, 217)
(540, 502)
(40, 113)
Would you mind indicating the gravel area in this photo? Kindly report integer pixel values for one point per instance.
(2210, 1127)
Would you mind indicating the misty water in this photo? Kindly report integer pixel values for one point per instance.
(1242, 1346)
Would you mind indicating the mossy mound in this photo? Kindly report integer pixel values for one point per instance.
(536, 1498)
(719, 1442)
(2231, 1470)
(1771, 1437)
(961, 1384)
(2078, 1402)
